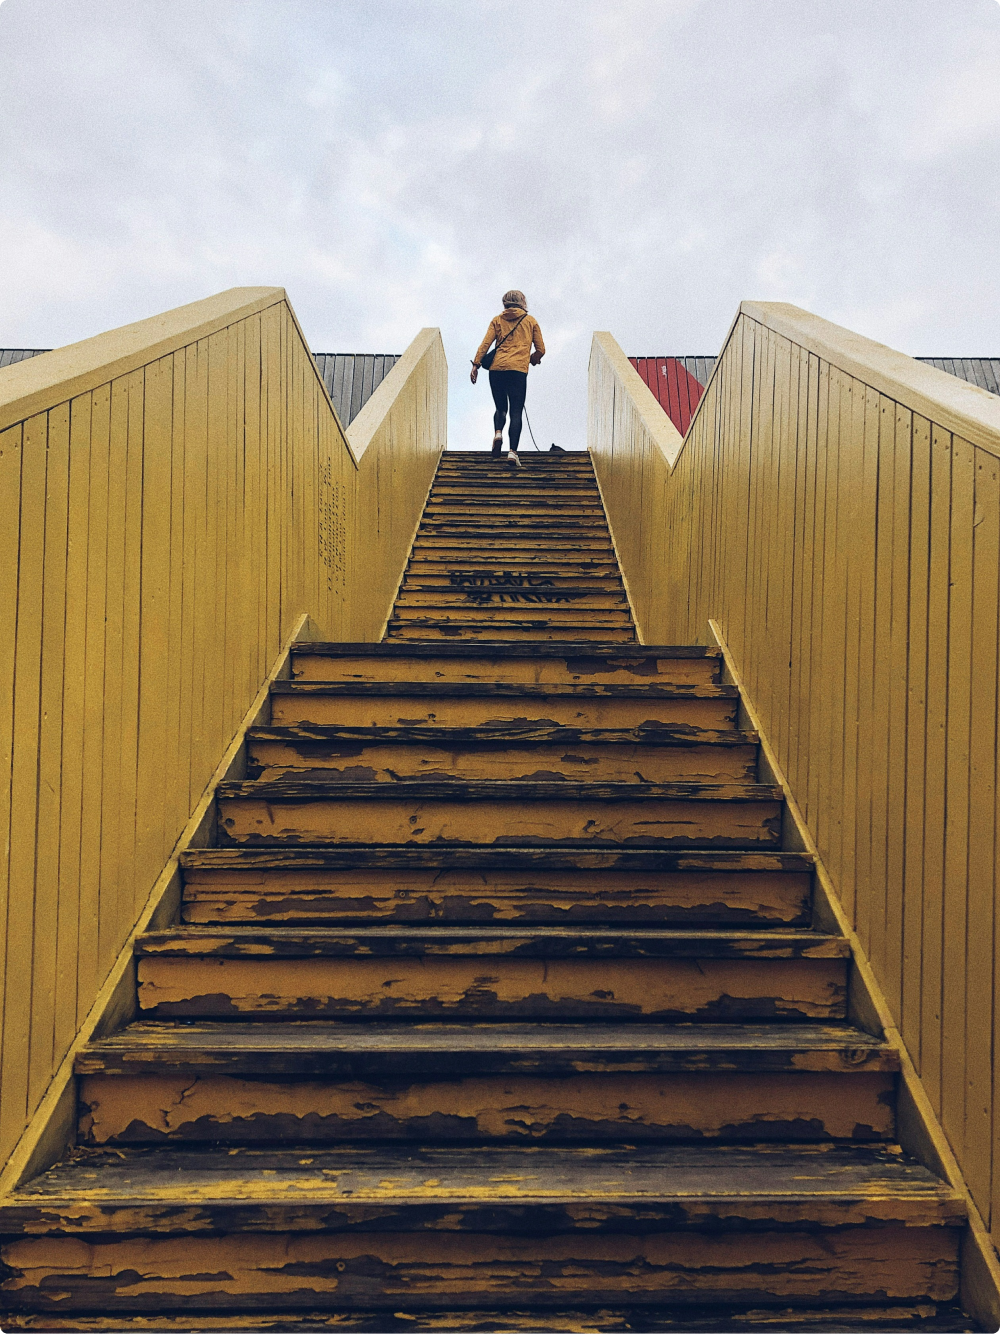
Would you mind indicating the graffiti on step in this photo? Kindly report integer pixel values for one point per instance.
(484, 586)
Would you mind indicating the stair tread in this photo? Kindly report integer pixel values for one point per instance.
(635, 860)
(522, 689)
(260, 942)
(695, 1183)
(295, 788)
(502, 648)
(916, 1317)
(504, 734)
(306, 1046)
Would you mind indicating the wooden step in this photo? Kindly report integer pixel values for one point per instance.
(422, 574)
(537, 501)
(514, 752)
(501, 942)
(326, 1082)
(532, 493)
(518, 529)
(662, 815)
(570, 600)
(672, 1188)
(498, 885)
(310, 1049)
(479, 703)
(354, 979)
(554, 607)
(537, 629)
(511, 545)
(556, 662)
(359, 1227)
(567, 562)
(526, 515)
(920, 1317)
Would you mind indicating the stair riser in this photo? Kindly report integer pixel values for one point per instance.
(246, 821)
(495, 988)
(729, 1107)
(416, 1271)
(498, 597)
(553, 610)
(532, 670)
(423, 577)
(478, 550)
(435, 894)
(514, 631)
(564, 563)
(387, 763)
(585, 501)
(466, 540)
(473, 711)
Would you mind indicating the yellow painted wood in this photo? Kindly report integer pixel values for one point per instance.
(849, 554)
(176, 495)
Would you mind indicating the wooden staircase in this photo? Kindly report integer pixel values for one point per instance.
(497, 1006)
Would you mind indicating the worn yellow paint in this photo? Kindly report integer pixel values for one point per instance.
(679, 1106)
(570, 711)
(410, 820)
(387, 762)
(496, 986)
(531, 670)
(289, 895)
(835, 509)
(419, 1269)
(185, 494)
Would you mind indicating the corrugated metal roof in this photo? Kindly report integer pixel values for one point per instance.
(984, 371)
(678, 382)
(350, 377)
(10, 355)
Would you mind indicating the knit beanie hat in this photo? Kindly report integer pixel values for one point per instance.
(515, 298)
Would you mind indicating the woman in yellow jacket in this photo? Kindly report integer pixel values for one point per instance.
(515, 332)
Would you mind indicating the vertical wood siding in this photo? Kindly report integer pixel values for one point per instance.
(828, 511)
(162, 529)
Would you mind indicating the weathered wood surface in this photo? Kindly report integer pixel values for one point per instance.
(623, 814)
(415, 1270)
(923, 1317)
(521, 630)
(517, 751)
(501, 884)
(495, 986)
(445, 1041)
(309, 1048)
(551, 942)
(587, 1108)
(541, 1190)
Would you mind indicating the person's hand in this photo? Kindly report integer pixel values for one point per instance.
(536, 358)
(475, 374)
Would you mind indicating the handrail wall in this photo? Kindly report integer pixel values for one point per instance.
(397, 439)
(835, 509)
(175, 496)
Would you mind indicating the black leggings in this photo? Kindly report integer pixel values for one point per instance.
(509, 387)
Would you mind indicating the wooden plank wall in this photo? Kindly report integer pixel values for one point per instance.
(846, 536)
(397, 438)
(162, 528)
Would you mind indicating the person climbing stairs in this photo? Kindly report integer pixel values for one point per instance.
(497, 1004)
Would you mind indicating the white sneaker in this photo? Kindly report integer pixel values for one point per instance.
(512, 458)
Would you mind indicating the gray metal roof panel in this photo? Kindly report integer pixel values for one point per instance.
(350, 377)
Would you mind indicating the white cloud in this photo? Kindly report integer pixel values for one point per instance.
(640, 166)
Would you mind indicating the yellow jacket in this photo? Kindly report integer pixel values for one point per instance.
(516, 351)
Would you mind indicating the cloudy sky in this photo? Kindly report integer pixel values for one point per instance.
(633, 165)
